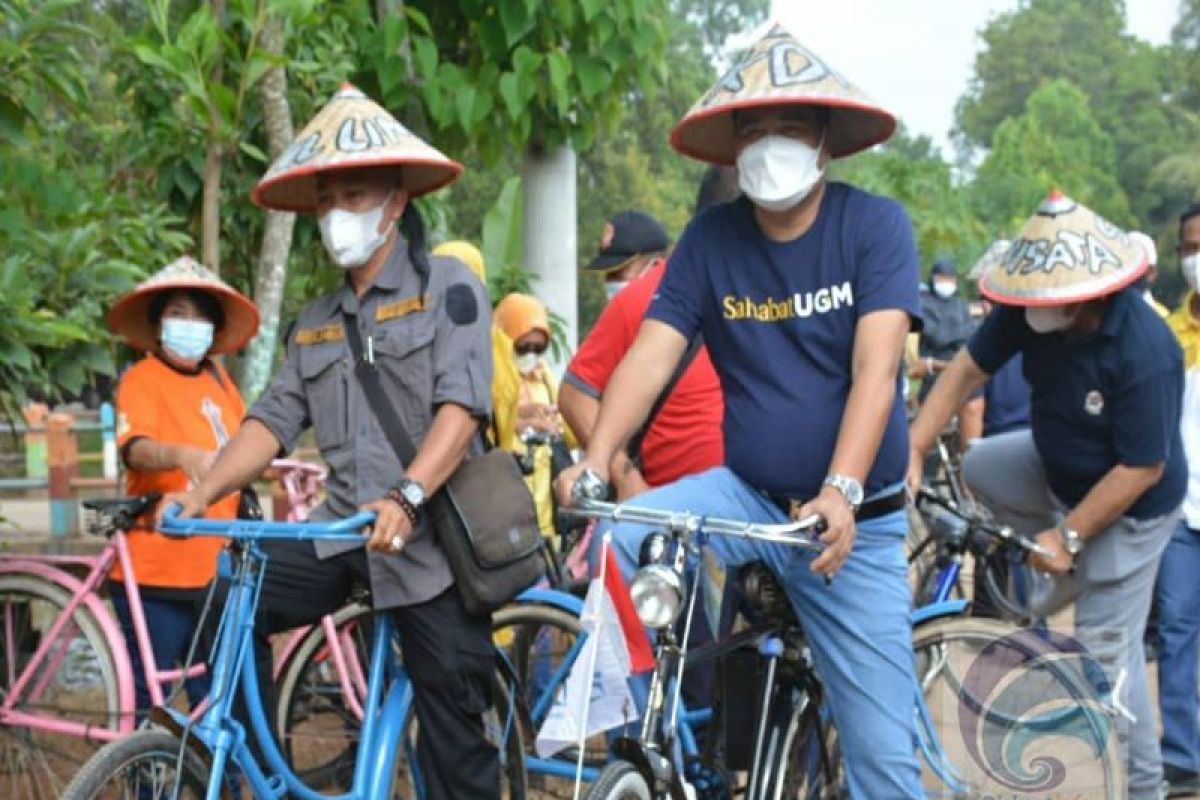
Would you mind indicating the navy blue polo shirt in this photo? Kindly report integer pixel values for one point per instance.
(1109, 398)
(778, 320)
(1006, 399)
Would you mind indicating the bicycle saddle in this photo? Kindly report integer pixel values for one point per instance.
(121, 512)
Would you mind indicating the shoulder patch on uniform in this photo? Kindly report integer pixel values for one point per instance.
(401, 307)
(461, 304)
(326, 333)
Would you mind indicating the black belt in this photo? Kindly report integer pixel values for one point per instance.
(871, 509)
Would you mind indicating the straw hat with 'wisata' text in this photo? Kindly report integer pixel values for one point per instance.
(1065, 253)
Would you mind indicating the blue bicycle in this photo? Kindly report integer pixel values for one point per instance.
(184, 758)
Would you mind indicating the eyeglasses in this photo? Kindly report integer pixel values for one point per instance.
(525, 349)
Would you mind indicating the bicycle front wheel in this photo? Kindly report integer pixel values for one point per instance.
(1006, 710)
(147, 765)
(75, 683)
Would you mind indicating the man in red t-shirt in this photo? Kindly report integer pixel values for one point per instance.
(684, 438)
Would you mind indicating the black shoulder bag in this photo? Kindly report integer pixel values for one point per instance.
(484, 516)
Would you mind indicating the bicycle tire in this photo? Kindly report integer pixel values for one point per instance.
(619, 781)
(307, 678)
(152, 753)
(537, 640)
(316, 728)
(1000, 712)
(83, 687)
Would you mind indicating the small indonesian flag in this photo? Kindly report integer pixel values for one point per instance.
(616, 647)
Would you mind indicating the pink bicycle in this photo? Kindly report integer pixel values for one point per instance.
(66, 683)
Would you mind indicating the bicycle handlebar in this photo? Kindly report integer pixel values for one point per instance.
(350, 527)
(789, 533)
(1002, 533)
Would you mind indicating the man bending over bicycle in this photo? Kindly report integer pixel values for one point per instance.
(804, 291)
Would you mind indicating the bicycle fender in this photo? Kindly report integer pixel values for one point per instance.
(554, 598)
(946, 608)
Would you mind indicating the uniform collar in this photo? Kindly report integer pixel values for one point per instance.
(389, 279)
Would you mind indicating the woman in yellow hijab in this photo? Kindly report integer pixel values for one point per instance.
(530, 404)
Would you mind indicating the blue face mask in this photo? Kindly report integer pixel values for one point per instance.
(187, 338)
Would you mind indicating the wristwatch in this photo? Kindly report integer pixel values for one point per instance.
(851, 489)
(1072, 541)
(412, 491)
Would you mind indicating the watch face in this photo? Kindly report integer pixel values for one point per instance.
(413, 493)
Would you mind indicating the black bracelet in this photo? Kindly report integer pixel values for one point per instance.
(399, 499)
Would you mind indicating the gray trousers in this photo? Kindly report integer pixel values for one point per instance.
(1112, 586)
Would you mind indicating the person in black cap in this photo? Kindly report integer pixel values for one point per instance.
(948, 325)
(631, 242)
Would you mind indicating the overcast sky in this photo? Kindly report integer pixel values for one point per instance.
(916, 56)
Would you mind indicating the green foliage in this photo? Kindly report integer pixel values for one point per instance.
(500, 243)
(517, 73)
(913, 173)
(1054, 143)
(1144, 98)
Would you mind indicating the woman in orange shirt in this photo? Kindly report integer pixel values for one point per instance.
(176, 408)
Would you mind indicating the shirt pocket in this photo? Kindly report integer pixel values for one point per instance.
(404, 357)
(324, 372)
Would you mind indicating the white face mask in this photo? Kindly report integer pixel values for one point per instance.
(612, 287)
(187, 338)
(945, 288)
(777, 172)
(527, 362)
(1048, 319)
(1190, 266)
(353, 237)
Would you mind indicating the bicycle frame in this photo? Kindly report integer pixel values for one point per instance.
(300, 479)
(225, 738)
(35, 677)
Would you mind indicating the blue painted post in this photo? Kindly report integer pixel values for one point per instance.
(108, 435)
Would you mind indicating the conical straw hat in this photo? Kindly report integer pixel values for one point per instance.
(350, 131)
(130, 315)
(1065, 253)
(778, 70)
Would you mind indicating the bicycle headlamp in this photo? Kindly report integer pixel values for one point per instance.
(657, 594)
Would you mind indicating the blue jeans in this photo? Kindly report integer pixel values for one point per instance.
(171, 625)
(860, 627)
(1178, 595)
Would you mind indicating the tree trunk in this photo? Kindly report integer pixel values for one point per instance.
(548, 234)
(271, 270)
(210, 209)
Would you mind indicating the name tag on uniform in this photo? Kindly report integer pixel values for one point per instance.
(326, 333)
(401, 308)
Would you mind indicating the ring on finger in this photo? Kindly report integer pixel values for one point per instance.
(397, 543)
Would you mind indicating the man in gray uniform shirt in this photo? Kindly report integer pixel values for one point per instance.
(426, 327)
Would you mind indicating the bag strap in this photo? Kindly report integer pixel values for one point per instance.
(368, 379)
(634, 448)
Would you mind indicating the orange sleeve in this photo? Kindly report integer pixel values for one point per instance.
(137, 408)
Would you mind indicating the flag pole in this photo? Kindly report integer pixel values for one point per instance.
(591, 670)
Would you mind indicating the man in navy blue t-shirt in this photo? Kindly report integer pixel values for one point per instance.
(1099, 478)
(804, 292)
